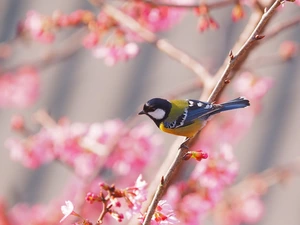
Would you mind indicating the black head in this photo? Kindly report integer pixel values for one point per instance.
(157, 109)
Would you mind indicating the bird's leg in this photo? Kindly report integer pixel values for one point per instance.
(184, 144)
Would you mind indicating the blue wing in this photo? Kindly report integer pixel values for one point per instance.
(195, 110)
(200, 110)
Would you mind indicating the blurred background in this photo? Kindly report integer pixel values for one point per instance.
(84, 89)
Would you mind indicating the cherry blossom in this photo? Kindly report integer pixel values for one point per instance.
(82, 146)
(219, 170)
(20, 89)
(237, 12)
(164, 214)
(67, 210)
(135, 196)
(288, 50)
(252, 87)
(115, 53)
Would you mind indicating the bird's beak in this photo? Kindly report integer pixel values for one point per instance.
(142, 112)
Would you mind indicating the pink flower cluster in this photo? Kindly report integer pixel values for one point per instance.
(110, 200)
(119, 45)
(205, 20)
(242, 204)
(85, 146)
(253, 87)
(195, 198)
(42, 28)
(247, 208)
(155, 17)
(218, 171)
(164, 214)
(135, 196)
(48, 214)
(113, 54)
(19, 89)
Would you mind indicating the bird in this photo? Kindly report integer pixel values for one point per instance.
(186, 117)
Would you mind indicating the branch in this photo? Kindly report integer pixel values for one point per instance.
(161, 44)
(235, 61)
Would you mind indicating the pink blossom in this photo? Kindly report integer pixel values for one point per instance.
(194, 207)
(219, 170)
(42, 28)
(20, 89)
(237, 12)
(135, 196)
(67, 210)
(34, 22)
(198, 155)
(115, 53)
(83, 146)
(288, 50)
(134, 150)
(32, 152)
(17, 123)
(154, 18)
(22, 214)
(252, 87)
(3, 213)
(245, 207)
(252, 209)
(74, 18)
(38, 26)
(164, 214)
(116, 215)
(90, 40)
(205, 22)
(115, 198)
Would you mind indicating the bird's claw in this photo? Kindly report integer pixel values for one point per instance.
(183, 146)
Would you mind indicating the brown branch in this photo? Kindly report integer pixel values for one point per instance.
(229, 68)
(237, 60)
(161, 44)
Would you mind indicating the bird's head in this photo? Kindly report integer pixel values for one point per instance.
(157, 109)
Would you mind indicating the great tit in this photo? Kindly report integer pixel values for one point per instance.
(186, 117)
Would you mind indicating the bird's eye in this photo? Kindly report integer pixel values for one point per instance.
(151, 109)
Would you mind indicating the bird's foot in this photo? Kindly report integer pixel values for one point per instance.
(184, 144)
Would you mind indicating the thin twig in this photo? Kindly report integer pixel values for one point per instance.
(237, 59)
(161, 44)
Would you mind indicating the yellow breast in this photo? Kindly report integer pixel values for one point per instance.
(186, 131)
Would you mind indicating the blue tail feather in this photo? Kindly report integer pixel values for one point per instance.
(240, 102)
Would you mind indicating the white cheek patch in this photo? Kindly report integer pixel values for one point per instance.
(157, 114)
